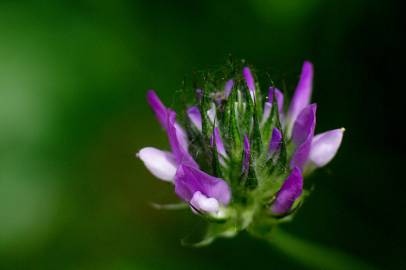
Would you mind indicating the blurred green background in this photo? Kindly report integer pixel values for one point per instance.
(73, 78)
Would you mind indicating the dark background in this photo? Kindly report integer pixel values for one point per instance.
(73, 78)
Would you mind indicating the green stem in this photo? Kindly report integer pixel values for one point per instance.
(313, 255)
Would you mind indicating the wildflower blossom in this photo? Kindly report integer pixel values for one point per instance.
(248, 158)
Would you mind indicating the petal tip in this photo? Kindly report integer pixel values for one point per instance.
(160, 163)
(325, 146)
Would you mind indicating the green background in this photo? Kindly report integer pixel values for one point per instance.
(73, 78)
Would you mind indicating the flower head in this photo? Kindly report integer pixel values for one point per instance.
(244, 157)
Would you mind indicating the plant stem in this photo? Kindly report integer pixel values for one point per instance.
(312, 255)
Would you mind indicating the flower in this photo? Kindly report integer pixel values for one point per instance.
(195, 117)
(276, 141)
(191, 184)
(244, 157)
(291, 189)
(302, 95)
(250, 81)
(190, 180)
(218, 142)
(228, 87)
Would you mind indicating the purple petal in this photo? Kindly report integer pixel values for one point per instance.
(219, 142)
(276, 141)
(199, 94)
(158, 107)
(302, 136)
(278, 96)
(182, 137)
(160, 163)
(304, 124)
(291, 189)
(247, 155)
(301, 154)
(161, 112)
(189, 180)
(228, 87)
(180, 153)
(250, 81)
(195, 116)
(302, 95)
(324, 146)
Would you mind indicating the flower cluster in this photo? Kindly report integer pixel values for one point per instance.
(240, 157)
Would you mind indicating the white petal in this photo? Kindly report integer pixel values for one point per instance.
(212, 113)
(324, 147)
(182, 137)
(204, 204)
(252, 94)
(267, 112)
(160, 163)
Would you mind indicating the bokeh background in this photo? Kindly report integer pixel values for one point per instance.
(73, 78)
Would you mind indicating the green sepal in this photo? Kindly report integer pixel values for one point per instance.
(198, 146)
(265, 221)
(226, 229)
(215, 160)
(278, 162)
(234, 135)
(256, 141)
(170, 206)
(271, 182)
(283, 156)
(251, 115)
(252, 181)
(249, 179)
(269, 125)
(205, 105)
(258, 100)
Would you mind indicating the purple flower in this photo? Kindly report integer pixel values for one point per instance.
(278, 96)
(247, 155)
(325, 146)
(250, 81)
(302, 136)
(199, 94)
(161, 113)
(195, 117)
(231, 116)
(302, 95)
(268, 104)
(203, 192)
(181, 155)
(276, 141)
(291, 190)
(163, 164)
(219, 143)
(228, 87)
(158, 107)
(190, 180)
